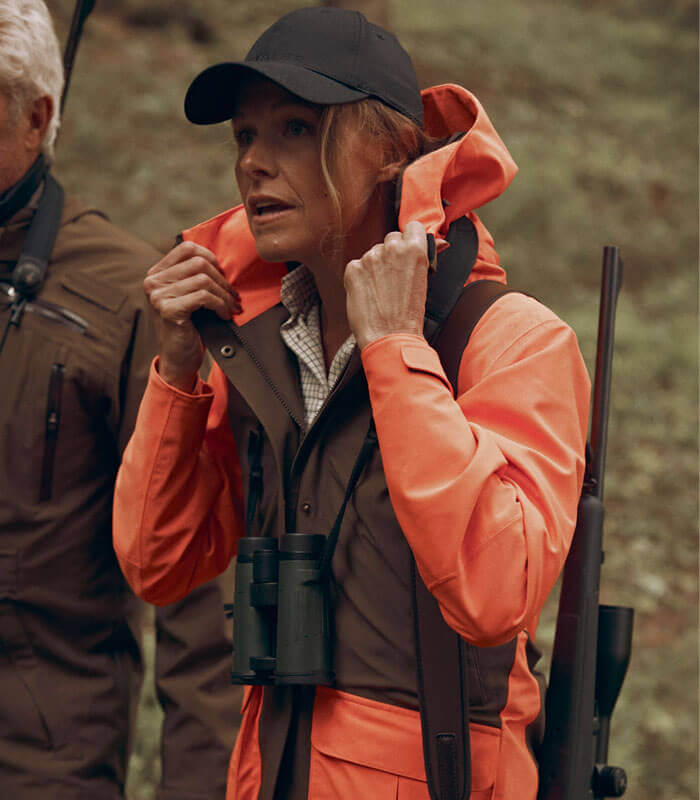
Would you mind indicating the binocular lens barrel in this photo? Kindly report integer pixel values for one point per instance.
(255, 600)
(303, 630)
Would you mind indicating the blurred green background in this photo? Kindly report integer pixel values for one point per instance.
(598, 103)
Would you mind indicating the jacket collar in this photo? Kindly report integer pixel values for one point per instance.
(467, 174)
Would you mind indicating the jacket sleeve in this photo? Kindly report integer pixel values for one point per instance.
(178, 497)
(485, 486)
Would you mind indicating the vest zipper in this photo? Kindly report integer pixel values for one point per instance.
(247, 347)
(53, 419)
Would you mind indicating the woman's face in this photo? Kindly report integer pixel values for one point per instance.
(279, 176)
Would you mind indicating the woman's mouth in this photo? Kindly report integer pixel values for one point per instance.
(269, 208)
(263, 209)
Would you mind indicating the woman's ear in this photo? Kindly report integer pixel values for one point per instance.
(390, 172)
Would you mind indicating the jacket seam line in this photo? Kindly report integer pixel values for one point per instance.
(454, 574)
(515, 518)
(493, 364)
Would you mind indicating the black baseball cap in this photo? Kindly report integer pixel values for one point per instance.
(324, 56)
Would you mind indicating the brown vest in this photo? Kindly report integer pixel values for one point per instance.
(305, 474)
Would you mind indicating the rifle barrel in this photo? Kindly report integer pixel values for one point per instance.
(80, 14)
(610, 289)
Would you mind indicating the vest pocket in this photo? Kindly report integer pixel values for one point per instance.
(53, 419)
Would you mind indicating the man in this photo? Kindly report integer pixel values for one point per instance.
(74, 357)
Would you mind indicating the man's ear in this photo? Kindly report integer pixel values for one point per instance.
(38, 116)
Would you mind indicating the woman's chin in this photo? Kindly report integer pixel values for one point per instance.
(275, 251)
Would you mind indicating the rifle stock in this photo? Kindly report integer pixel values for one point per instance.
(569, 757)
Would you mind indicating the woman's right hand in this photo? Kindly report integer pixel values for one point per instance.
(186, 279)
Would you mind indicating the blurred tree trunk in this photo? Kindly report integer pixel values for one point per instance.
(376, 11)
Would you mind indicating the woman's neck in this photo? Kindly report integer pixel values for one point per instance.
(329, 272)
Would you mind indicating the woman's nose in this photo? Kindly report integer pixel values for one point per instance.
(259, 159)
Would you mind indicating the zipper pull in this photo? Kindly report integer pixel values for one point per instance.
(17, 311)
(53, 419)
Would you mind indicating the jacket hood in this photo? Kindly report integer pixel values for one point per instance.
(436, 189)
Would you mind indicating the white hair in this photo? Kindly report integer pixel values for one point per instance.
(30, 61)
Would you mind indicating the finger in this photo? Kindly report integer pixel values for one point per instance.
(167, 300)
(205, 281)
(185, 269)
(374, 255)
(201, 298)
(200, 265)
(352, 268)
(414, 231)
(183, 252)
(394, 236)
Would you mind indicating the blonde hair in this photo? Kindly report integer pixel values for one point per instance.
(30, 61)
(392, 137)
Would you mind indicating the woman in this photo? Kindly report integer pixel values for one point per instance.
(326, 284)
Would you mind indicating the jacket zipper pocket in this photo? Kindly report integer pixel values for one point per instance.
(53, 419)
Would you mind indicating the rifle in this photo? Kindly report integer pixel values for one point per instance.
(80, 14)
(593, 642)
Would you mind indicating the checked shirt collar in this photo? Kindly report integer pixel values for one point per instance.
(302, 335)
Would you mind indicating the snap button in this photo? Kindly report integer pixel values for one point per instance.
(228, 350)
(306, 507)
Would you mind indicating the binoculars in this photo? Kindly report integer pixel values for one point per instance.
(281, 618)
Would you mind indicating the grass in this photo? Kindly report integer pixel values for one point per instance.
(597, 101)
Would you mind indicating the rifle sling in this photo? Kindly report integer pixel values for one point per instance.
(441, 656)
(30, 271)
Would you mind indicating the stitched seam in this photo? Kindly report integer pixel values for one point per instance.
(455, 574)
(435, 371)
(497, 358)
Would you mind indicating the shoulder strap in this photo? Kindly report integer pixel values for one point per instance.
(441, 658)
(453, 268)
(452, 339)
(30, 271)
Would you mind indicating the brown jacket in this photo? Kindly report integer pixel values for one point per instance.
(67, 655)
(69, 660)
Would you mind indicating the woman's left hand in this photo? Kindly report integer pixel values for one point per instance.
(386, 288)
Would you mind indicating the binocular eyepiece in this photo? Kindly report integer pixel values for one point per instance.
(281, 622)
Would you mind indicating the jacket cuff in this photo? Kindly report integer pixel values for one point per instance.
(201, 389)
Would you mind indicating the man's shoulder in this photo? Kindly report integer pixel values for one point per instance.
(89, 241)
(94, 260)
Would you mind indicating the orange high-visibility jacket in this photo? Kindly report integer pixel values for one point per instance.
(482, 488)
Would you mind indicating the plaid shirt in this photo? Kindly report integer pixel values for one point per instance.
(302, 335)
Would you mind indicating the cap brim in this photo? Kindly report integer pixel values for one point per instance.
(212, 95)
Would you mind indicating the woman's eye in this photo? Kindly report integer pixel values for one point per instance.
(297, 127)
(243, 138)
